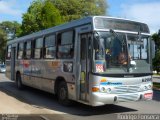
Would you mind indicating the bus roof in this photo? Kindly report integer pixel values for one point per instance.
(71, 24)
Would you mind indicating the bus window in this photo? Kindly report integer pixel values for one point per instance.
(38, 48)
(8, 55)
(20, 51)
(65, 47)
(50, 48)
(27, 50)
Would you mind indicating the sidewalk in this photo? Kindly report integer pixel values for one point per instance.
(156, 79)
(156, 76)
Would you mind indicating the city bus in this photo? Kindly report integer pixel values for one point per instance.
(95, 60)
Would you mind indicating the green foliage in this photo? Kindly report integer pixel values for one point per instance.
(156, 38)
(32, 18)
(13, 27)
(40, 15)
(3, 40)
(156, 60)
(7, 27)
(43, 14)
(75, 9)
(50, 16)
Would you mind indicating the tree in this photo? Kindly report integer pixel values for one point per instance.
(3, 40)
(50, 15)
(41, 14)
(7, 28)
(156, 60)
(75, 9)
(11, 27)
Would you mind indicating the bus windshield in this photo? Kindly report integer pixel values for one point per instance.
(120, 53)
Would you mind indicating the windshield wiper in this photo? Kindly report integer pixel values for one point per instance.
(113, 32)
(123, 43)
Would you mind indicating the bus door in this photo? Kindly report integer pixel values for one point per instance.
(85, 40)
(13, 53)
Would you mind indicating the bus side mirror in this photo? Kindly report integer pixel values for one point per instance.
(153, 49)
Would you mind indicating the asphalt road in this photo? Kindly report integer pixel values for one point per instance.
(45, 106)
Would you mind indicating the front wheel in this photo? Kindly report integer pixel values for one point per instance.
(19, 82)
(63, 94)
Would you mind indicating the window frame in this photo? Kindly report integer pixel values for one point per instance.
(8, 52)
(34, 48)
(59, 44)
(20, 50)
(53, 46)
(27, 49)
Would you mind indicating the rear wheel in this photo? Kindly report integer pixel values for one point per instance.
(19, 82)
(63, 94)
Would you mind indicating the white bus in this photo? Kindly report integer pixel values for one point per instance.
(95, 60)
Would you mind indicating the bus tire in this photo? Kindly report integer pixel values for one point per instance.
(63, 94)
(19, 82)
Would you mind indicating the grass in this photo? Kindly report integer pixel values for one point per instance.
(156, 85)
(157, 74)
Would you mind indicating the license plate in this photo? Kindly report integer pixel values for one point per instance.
(148, 96)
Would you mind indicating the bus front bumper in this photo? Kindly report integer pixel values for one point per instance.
(99, 98)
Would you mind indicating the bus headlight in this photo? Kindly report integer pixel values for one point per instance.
(150, 87)
(142, 88)
(108, 90)
(145, 87)
(103, 89)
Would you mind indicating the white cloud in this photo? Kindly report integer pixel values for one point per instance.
(147, 12)
(8, 7)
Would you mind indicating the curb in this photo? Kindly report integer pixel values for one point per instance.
(156, 77)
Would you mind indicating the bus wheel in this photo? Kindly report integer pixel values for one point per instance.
(19, 82)
(63, 94)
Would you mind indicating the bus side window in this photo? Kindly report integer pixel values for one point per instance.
(58, 45)
(38, 48)
(27, 50)
(49, 47)
(20, 51)
(66, 45)
(8, 55)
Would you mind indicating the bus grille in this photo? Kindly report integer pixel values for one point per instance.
(125, 89)
(132, 97)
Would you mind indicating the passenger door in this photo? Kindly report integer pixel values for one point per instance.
(85, 52)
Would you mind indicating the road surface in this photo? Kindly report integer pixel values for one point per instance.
(36, 105)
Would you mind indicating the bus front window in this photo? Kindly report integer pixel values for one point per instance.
(110, 53)
(112, 56)
(138, 47)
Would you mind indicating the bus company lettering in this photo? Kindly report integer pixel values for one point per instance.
(105, 82)
(146, 79)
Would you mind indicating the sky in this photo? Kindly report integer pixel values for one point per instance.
(147, 11)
